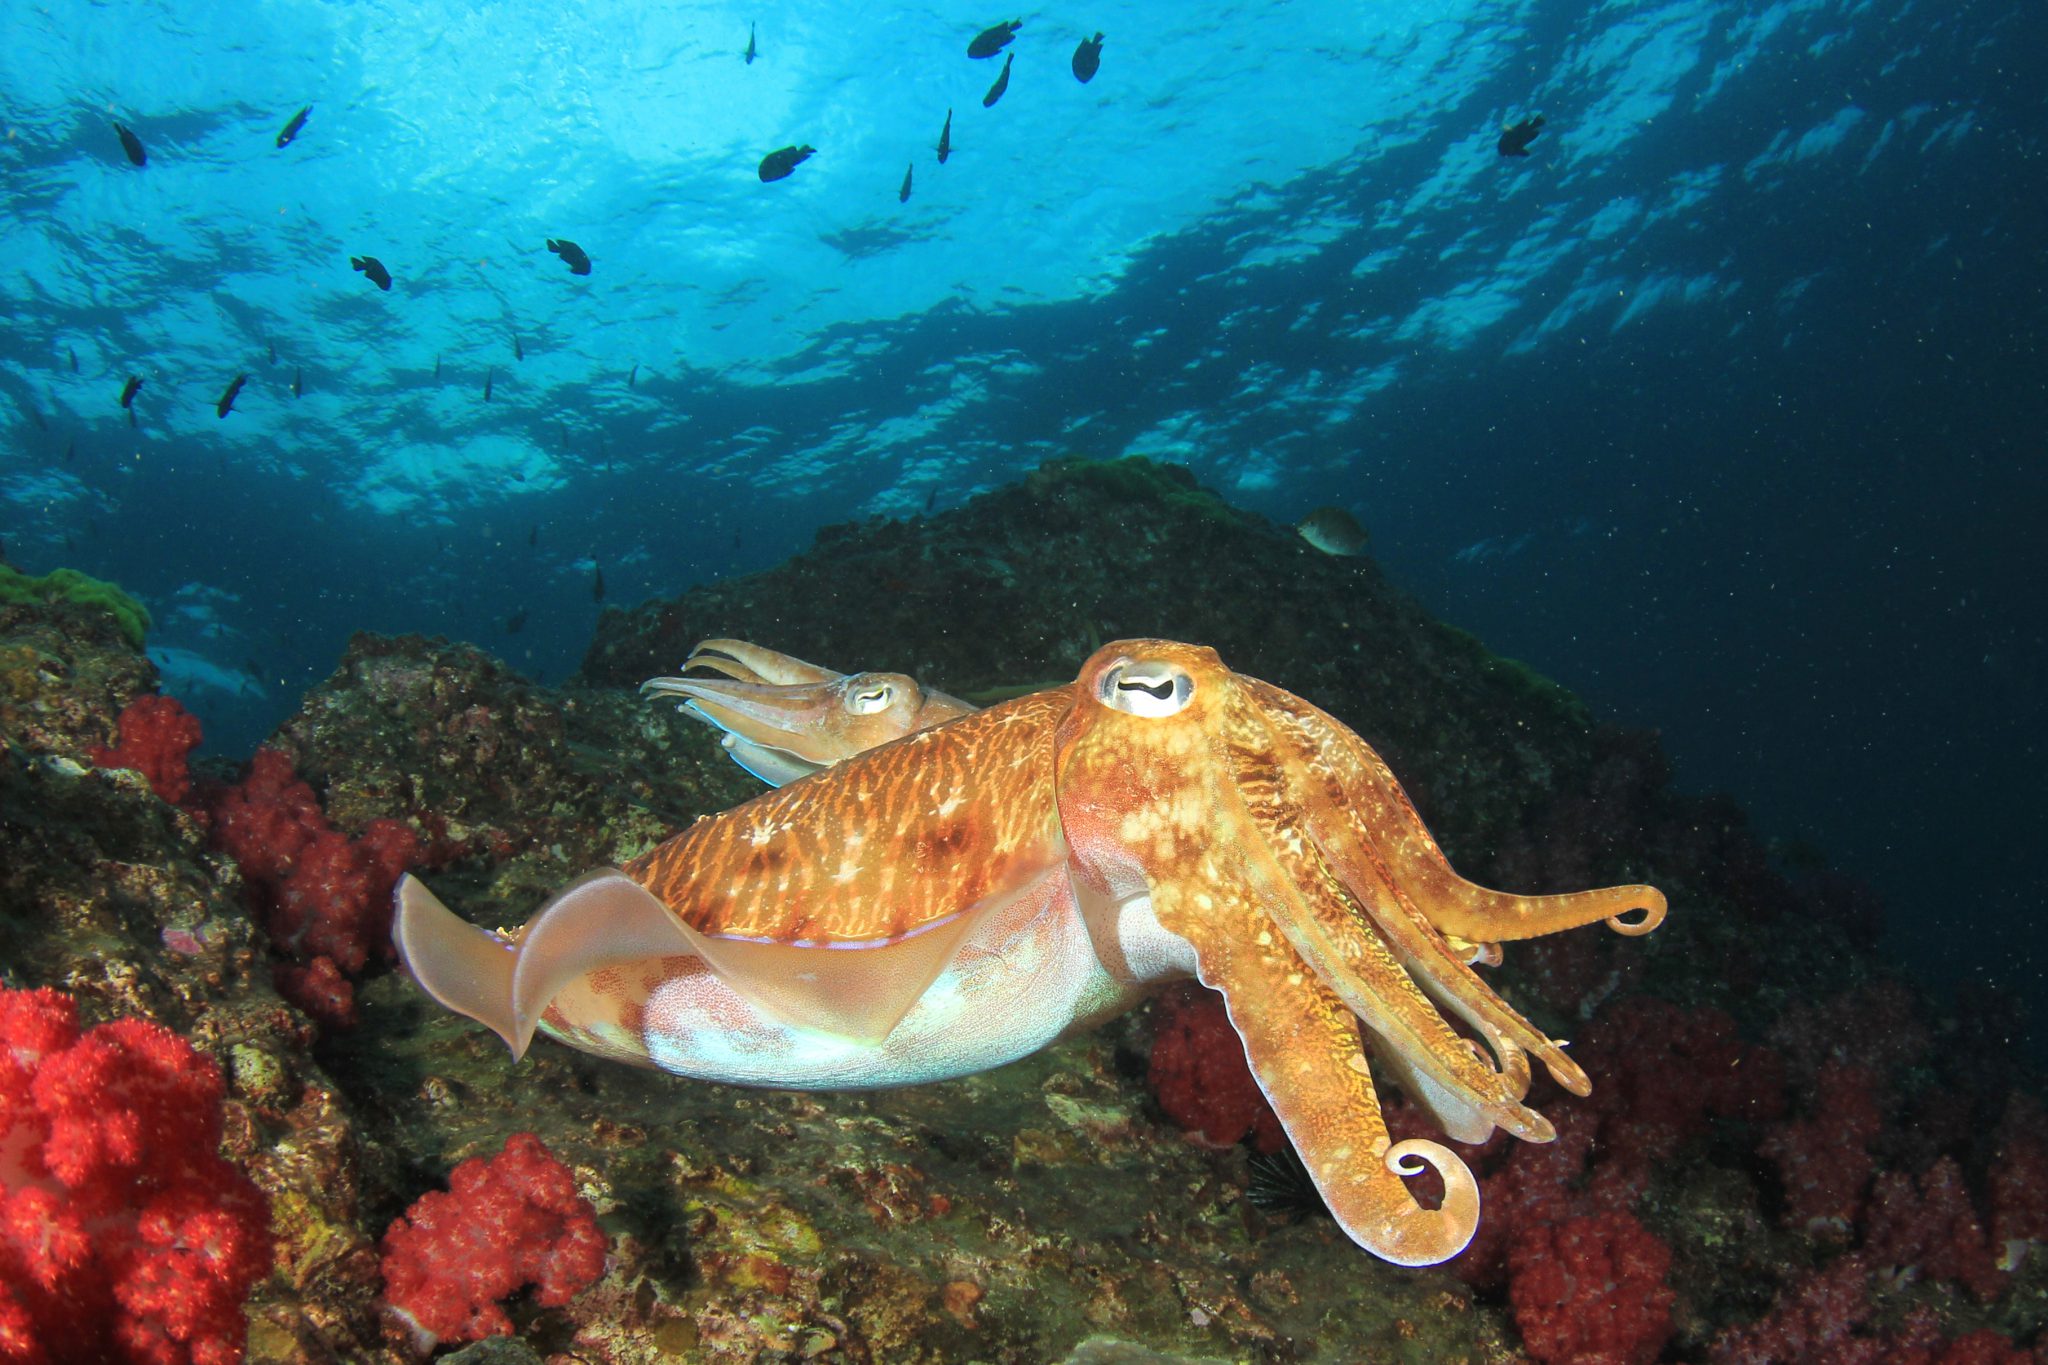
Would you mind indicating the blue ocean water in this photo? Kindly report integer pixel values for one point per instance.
(1725, 407)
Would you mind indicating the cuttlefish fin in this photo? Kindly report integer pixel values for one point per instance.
(505, 982)
(1309, 1059)
(857, 990)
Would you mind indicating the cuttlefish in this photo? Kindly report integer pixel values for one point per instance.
(784, 718)
(964, 895)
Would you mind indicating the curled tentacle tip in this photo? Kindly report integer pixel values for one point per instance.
(1448, 1228)
(1650, 905)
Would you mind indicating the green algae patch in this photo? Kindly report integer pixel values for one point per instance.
(69, 585)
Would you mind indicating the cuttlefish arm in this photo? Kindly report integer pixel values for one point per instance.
(784, 718)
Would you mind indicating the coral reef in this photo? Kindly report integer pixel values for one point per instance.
(1786, 1155)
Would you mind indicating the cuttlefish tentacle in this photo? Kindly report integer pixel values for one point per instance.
(1322, 919)
(751, 663)
(1457, 907)
(1365, 867)
(784, 719)
(1306, 1053)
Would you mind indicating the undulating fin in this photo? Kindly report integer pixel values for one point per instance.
(600, 920)
(849, 990)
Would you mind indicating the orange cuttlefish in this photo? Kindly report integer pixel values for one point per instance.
(967, 892)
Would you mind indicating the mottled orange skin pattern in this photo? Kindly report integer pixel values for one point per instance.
(903, 839)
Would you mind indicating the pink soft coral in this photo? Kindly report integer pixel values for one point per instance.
(509, 1221)
(123, 1234)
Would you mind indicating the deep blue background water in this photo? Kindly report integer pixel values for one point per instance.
(1726, 408)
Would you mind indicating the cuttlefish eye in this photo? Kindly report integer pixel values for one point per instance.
(869, 701)
(1145, 689)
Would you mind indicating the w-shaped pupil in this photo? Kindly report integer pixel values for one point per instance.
(1161, 690)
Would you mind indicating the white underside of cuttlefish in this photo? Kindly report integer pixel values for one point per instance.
(963, 895)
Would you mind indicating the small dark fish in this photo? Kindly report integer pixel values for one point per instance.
(130, 389)
(437, 365)
(298, 381)
(35, 415)
(597, 587)
(132, 145)
(752, 51)
(571, 254)
(632, 374)
(489, 376)
(779, 163)
(1088, 59)
(532, 536)
(518, 351)
(70, 449)
(226, 404)
(273, 352)
(995, 92)
(74, 362)
(946, 138)
(903, 195)
(1516, 137)
(931, 499)
(1334, 531)
(516, 622)
(990, 41)
(291, 130)
(373, 269)
(735, 540)
(251, 667)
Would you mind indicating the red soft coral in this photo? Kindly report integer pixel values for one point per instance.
(1200, 1077)
(157, 738)
(1591, 1290)
(123, 1234)
(321, 895)
(509, 1221)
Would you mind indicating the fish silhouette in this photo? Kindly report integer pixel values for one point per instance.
(490, 375)
(1516, 137)
(903, 195)
(571, 254)
(632, 374)
(597, 586)
(291, 130)
(779, 163)
(226, 404)
(995, 92)
(946, 138)
(752, 51)
(129, 389)
(990, 41)
(518, 351)
(132, 145)
(298, 381)
(373, 270)
(1088, 59)
(516, 622)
